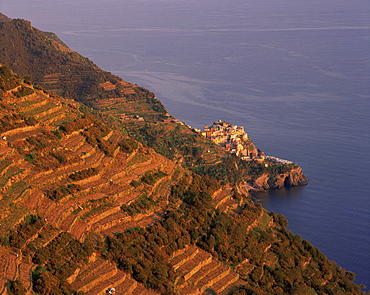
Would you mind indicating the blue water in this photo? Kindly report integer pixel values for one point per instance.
(295, 73)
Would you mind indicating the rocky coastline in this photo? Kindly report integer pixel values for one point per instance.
(294, 177)
(236, 141)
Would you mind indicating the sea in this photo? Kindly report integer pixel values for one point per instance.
(294, 73)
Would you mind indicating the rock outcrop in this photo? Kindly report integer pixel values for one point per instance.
(294, 177)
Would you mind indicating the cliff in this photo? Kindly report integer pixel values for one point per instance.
(85, 207)
(294, 177)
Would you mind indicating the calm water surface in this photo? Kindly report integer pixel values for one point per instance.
(295, 74)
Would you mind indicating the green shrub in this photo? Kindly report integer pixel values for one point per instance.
(30, 157)
(83, 174)
(107, 147)
(16, 287)
(152, 177)
(7, 79)
(61, 158)
(128, 145)
(23, 91)
(141, 205)
(62, 191)
(25, 230)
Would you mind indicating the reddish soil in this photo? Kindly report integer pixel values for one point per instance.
(25, 274)
(100, 275)
(183, 256)
(224, 200)
(193, 265)
(200, 272)
(137, 221)
(8, 267)
(199, 275)
(225, 282)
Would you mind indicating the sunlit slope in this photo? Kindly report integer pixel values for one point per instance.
(52, 65)
(84, 208)
(63, 170)
(67, 179)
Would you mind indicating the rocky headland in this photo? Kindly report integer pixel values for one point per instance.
(294, 177)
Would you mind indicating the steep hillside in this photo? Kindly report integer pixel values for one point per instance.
(86, 208)
(49, 63)
(61, 162)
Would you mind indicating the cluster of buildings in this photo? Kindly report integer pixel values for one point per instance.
(233, 139)
(133, 118)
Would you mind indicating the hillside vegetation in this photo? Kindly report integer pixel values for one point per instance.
(49, 63)
(85, 207)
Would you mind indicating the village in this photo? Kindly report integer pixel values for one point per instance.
(232, 138)
(235, 140)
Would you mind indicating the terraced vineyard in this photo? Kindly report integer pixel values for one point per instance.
(85, 207)
(76, 181)
(99, 275)
(198, 272)
(61, 163)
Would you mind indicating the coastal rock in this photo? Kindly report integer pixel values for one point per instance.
(292, 178)
(295, 177)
